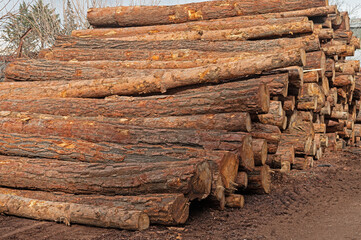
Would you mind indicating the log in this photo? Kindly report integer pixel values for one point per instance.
(272, 134)
(300, 142)
(356, 42)
(333, 97)
(316, 61)
(343, 80)
(229, 34)
(345, 25)
(332, 140)
(295, 77)
(311, 77)
(68, 213)
(319, 128)
(324, 33)
(235, 201)
(165, 209)
(326, 110)
(277, 84)
(307, 42)
(242, 180)
(157, 15)
(259, 180)
(167, 79)
(289, 103)
(325, 86)
(307, 103)
(275, 116)
(341, 50)
(313, 89)
(343, 35)
(285, 153)
(300, 164)
(299, 126)
(260, 151)
(107, 179)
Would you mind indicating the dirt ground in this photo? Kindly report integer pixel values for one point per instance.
(321, 203)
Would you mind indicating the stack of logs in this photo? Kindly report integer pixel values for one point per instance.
(155, 107)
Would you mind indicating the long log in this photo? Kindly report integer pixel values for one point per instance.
(167, 79)
(340, 50)
(166, 209)
(230, 34)
(107, 179)
(68, 213)
(156, 15)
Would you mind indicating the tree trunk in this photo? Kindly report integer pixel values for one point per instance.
(307, 103)
(300, 164)
(260, 151)
(285, 153)
(301, 143)
(192, 178)
(157, 15)
(68, 213)
(307, 42)
(229, 34)
(275, 116)
(340, 50)
(242, 180)
(316, 61)
(166, 209)
(311, 77)
(235, 201)
(272, 134)
(319, 128)
(343, 80)
(259, 180)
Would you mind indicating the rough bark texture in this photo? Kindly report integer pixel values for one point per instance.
(311, 77)
(166, 209)
(340, 50)
(234, 34)
(260, 151)
(307, 42)
(107, 179)
(216, 24)
(272, 134)
(68, 213)
(259, 180)
(154, 15)
(285, 153)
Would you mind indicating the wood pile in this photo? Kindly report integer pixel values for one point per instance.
(124, 124)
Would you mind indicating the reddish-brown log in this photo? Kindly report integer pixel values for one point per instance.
(260, 151)
(275, 116)
(235, 201)
(242, 180)
(259, 180)
(107, 179)
(311, 77)
(155, 15)
(272, 134)
(166, 209)
(100, 216)
(285, 153)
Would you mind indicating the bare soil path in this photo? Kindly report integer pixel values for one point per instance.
(321, 203)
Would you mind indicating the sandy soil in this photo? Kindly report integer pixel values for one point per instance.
(321, 203)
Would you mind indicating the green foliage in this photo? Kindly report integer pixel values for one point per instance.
(43, 20)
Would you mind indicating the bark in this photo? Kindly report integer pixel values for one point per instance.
(235, 201)
(300, 164)
(343, 80)
(344, 35)
(275, 116)
(307, 103)
(285, 153)
(356, 42)
(326, 110)
(324, 33)
(295, 77)
(340, 50)
(289, 103)
(319, 128)
(313, 89)
(277, 84)
(333, 96)
(156, 15)
(259, 180)
(242, 180)
(316, 61)
(311, 77)
(325, 86)
(357, 130)
(299, 126)
(68, 213)
(307, 42)
(330, 68)
(229, 34)
(166, 209)
(192, 178)
(301, 142)
(272, 134)
(260, 151)
(345, 25)
(305, 116)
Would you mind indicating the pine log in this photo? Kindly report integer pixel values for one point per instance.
(300, 164)
(333, 97)
(307, 103)
(259, 180)
(311, 77)
(356, 42)
(316, 61)
(277, 84)
(68, 213)
(242, 180)
(326, 110)
(341, 50)
(332, 140)
(330, 68)
(212, 24)
(325, 86)
(285, 153)
(357, 130)
(345, 25)
(260, 151)
(305, 116)
(272, 134)
(157, 15)
(299, 126)
(275, 116)
(343, 35)
(343, 80)
(307, 42)
(166, 209)
(301, 142)
(319, 128)
(313, 89)
(233, 34)
(295, 77)
(289, 103)
(235, 201)
(107, 179)
(324, 33)
(313, 149)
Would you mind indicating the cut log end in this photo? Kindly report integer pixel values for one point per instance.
(201, 182)
(235, 201)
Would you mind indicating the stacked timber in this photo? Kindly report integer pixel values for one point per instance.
(126, 124)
